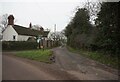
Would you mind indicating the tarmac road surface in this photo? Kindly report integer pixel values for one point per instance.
(67, 66)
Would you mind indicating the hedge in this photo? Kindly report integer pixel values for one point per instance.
(19, 45)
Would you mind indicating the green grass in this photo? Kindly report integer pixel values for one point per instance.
(105, 59)
(38, 55)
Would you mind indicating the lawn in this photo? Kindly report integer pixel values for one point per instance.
(38, 55)
(102, 58)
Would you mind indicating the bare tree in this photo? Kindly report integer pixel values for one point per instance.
(36, 27)
(93, 8)
(3, 21)
(57, 36)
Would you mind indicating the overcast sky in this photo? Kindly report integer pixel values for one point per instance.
(42, 12)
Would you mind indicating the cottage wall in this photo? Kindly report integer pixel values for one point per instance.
(9, 33)
(23, 37)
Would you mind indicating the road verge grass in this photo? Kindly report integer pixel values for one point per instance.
(102, 58)
(38, 55)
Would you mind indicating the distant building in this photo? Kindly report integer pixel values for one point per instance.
(20, 33)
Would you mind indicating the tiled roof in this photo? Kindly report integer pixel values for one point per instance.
(29, 32)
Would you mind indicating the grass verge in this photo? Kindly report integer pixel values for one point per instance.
(104, 59)
(38, 55)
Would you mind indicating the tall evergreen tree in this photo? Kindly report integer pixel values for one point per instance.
(107, 23)
(78, 28)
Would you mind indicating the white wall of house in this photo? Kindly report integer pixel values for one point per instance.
(23, 37)
(10, 34)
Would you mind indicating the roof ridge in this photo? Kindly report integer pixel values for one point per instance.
(27, 31)
(26, 27)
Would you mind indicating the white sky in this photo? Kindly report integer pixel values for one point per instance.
(45, 14)
(42, 12)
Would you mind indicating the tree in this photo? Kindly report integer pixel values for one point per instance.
(78, 29)
(103, 36)
(37, 27)
(108, 38)
(93, 8)
(54, 36)
(3, 21)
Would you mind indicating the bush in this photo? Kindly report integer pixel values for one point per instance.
(19, 45)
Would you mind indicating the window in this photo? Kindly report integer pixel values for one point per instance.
(14, 37)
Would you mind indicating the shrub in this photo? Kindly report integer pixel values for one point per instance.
(19, 45)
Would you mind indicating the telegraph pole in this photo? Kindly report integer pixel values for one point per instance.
(54, 33)
(55, 28)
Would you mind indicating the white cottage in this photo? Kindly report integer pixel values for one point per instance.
(20, 33)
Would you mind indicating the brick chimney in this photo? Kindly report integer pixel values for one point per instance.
(30, 25)
(10, 20)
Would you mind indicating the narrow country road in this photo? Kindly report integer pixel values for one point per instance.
(15, 68)
(19, 70)
(81, 67)
(68, 66)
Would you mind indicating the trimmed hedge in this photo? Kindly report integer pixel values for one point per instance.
(19, 45)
